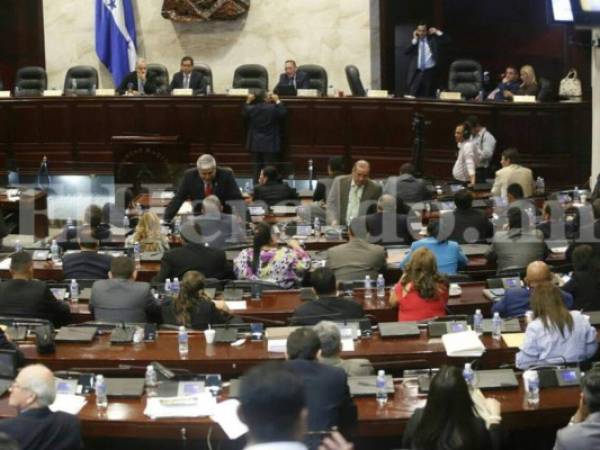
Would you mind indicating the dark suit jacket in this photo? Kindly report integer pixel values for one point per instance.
(472, 221)
(407, 188)
(32, 298)
(337, 200)
(322, 189)
(263, 121)
(204, 313)
(388, 228)
(149, 85)
(327, 396)
(584, 286)
(274, 192)
(118, 300)
(210, 261)
(308, 313)
(302, 80)
(436, 44)
(196, 82)
(86, 265)
(41, 429)
(192, 187)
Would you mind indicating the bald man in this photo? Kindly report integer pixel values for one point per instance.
(516, 301)
(352, 195)
(36, 427)
(138, 82)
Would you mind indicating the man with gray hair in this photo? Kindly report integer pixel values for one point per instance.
(138, 82)
(219, 229)
(36, 427)
(204, 180)
(389, 225)
(331, 347)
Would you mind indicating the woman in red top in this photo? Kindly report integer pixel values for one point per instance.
(422, 292)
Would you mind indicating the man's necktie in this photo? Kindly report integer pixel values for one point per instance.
(422, 54)
(186, 83)
(140, 86)
(207, 189)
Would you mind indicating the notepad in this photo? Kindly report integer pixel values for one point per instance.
(514, 339)
(348, 345)
(396, 255)
(277, 345)
(71, 404)
(225, 414)
(463, 344)
(236, 305)
(198, 406)
(5, 264)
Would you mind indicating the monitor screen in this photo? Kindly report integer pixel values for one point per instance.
(561, 10)
(570, 376)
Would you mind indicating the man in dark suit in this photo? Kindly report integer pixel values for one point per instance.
(193, 255)
(36, 427)
(263, 115)
(219, 229)
(121, 298)
(293, 77)
(470, 225)
(22, 296)
(206, 179)
(272, 190)
(328, 306)
(186, 78)
(425, 52)
(406, 186)
(138, 82)
(326, 388)
(389, 225)
(87, 264)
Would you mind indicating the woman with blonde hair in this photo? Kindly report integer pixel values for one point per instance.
(556, 335)
(422, 292)
(148, 234)
(529, 84)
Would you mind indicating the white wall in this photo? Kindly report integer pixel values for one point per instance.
(332, 33)
(595, 109)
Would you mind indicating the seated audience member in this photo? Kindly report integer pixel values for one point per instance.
(87, 264)
(121, 298)
(331, 347)
(485, 145)
(470, 224)
(556, 335)
(266, 261)
(422, 292)
(518, 246)
(584, 284)
(406, 186)
(448, 254)
(218, 228)
(389, 224)
(512, 172)
(293, 77)
(93, 221)
(191, 307)
(138, 82)
(553, 225)
(327, 305)
(449, 419)
(335, 168)
(186, 78)
(193, 255)
(583, 430)
(326, 388)
(356, 258)
(148, 234)
(271, 189)
(516, 301)
(468, 155)
(36, 427)
(22, 296)
(529, 84)
(510, 83)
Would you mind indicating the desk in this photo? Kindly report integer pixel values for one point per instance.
(30, 210)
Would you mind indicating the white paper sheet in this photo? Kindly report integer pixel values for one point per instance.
(71, 404)
(236, 305)
(348, 345)
(204, 405)
(276, 345)
(226, 416)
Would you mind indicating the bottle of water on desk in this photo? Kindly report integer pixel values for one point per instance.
(380, 287)
(368, 287)
(531, 383)
(310, 174)
(175, 286)
(126, 223)
(478, 321)
(74, 290)
(182, 339)
(496, 327)
(137, 252)
(469, 375)
(55, 252)
(168, 286)
(177, 226)
(18, 246)
(317, 227)
(151, 380)
(101, 395)
(380, 391)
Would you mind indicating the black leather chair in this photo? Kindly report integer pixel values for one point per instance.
(317, 77)
(206, 72)
(545, 93)
(160, 75)
(81, 80)
(30, 81)
(465, 76)
(1, 85)
(251, 76)
(353, 76)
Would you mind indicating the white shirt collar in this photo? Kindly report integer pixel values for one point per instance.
(284, 445)
(354, 185)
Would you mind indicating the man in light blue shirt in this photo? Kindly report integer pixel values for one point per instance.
(425, 58)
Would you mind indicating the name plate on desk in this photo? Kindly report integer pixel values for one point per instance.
(307, 93)
(52, 93)
(105, 92)
(182, 92)
(238, 92)
(524, 98)
(4, 94)
(377, 93)
(452, 96)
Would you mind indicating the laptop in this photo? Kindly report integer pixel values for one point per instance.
(124, 387)
(76, 334)
(122, 335)
(484, 379)
(180, 388)
(508, 326)
(233, 294)
(366, 385)
(8, 369)
(438, 329)
(398, 329)
(357, 328)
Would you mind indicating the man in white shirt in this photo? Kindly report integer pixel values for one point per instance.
(512, 172)
(468, 156)
(485, 144)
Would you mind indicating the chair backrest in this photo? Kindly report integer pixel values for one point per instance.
(160, 75)
(545, 93)
(353, 76)
(1, 85)
(317, 77)
(30, 80)
(251, 76)
(206, 72)
(81, 80)
(465, 76)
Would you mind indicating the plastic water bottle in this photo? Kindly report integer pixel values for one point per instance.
(317, 227)
(480, 96)
(18, 246)
(55, 251)
(151, 381)
(69, 222)
(101, 397)
(331, 91)
(208, 89)
(126, 223)
(469, 375)
(175, 286)
(74, 289)
(531, 382)
(576, 195)
(540, 186)
(177, 226)
(528, 316)
(380, 393)
(478, 321)
(137, 252)
(496, 327)
(310, 173)
(94, 89)
(167, 286)
(182, 339)
(368, 287)
(380, 287)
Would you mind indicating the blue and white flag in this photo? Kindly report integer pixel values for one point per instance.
(115, 37)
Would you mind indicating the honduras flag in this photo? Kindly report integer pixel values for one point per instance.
(115, 37)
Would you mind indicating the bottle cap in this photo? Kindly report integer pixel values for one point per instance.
(381, 373)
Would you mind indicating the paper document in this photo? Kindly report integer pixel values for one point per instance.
(463, 344)
(196, 406)
(514, 339)
(186, 208)
(236, 305)
(396, 255)
(276, 345)
(71, 404)
(348, 345)
(5, 264)
(226, 416)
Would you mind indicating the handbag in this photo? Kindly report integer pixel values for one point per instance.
(570, 86)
